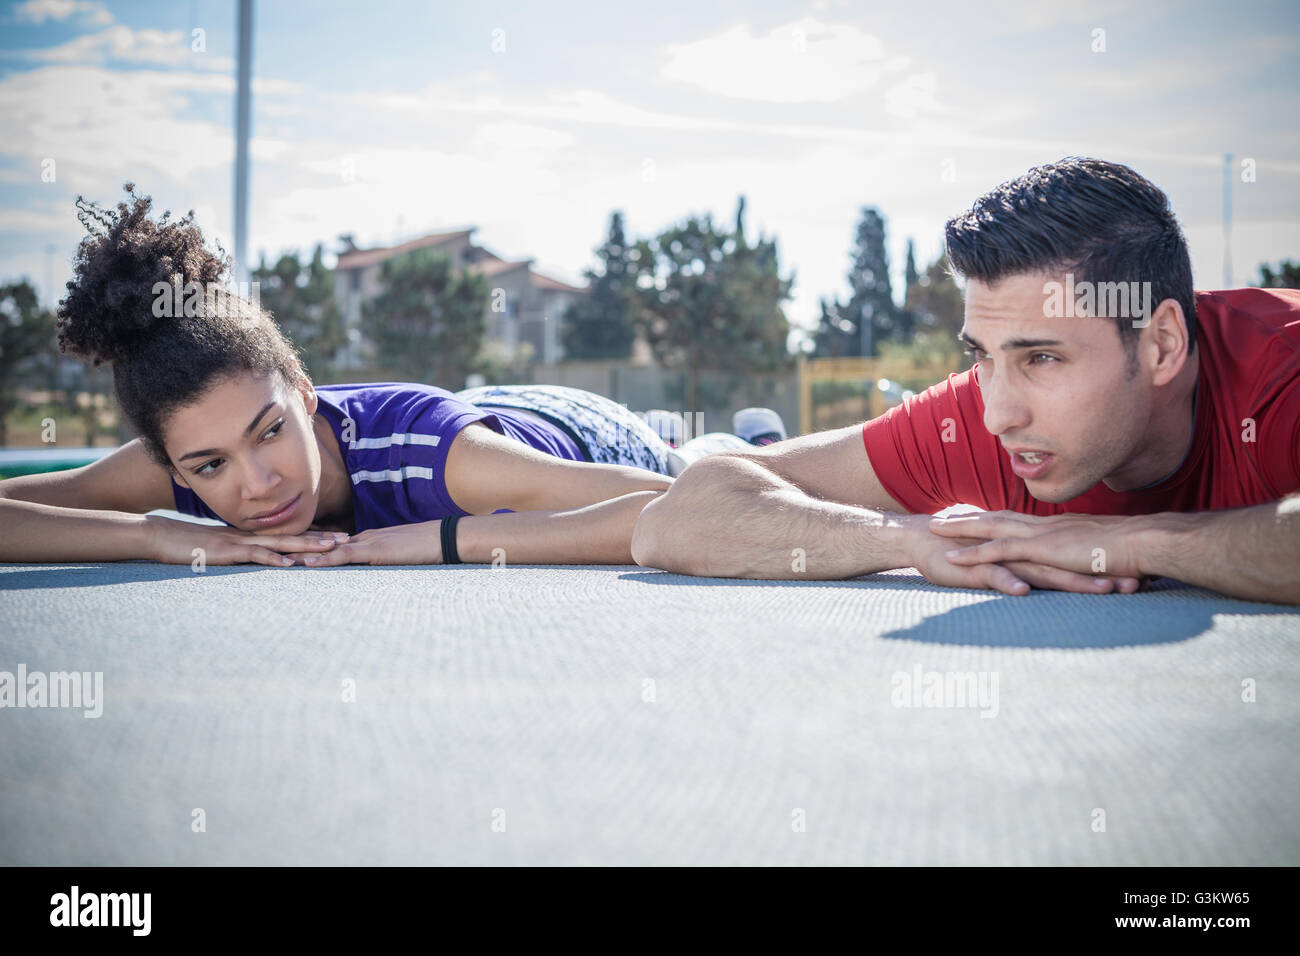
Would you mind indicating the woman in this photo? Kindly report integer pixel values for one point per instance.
(231, 428)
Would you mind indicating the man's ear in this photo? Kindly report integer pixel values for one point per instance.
(1167, 338)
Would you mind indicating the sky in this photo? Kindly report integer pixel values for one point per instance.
(533, 122)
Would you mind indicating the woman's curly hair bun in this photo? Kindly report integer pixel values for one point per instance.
(109, 307)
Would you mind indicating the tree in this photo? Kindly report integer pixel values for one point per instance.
(428, 323)
(26, 331)
(909, 269)
(935, 305)
(753, 291)
(300, 297)
(870, 315)
(1286, 277)
(706, 298)
(598, 325)
(936, 301)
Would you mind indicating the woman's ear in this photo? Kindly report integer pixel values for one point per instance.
(305, 388)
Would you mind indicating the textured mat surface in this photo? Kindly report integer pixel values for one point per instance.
(626, 716)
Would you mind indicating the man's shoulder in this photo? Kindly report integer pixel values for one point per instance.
(1251, 340)
(951, 405)
(1262, 311)
(955, 386)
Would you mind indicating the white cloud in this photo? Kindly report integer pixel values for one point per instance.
(502, 172)
(913, 96)
(592, 107)
(36, 220)
(1028, 16)
(38, 11)
(803, 61)
(156, 47)
(520, 139)
(104, 126)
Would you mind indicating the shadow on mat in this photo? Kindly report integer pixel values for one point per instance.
(74, 575)
(1167, 612)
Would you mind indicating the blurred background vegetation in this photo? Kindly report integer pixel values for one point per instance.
(691, 318)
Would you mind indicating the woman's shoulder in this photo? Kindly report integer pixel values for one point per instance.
(390, 402)
(380, 391)
(409, 413)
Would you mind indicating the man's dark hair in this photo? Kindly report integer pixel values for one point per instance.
(1100, 221)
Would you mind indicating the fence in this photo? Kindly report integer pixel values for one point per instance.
(819, 394)
(645, 387)
(835, 392)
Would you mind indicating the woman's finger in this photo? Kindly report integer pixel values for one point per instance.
(260, 555)
(294, 542)
(343, 553)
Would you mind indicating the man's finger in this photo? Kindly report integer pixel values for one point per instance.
(1002, 579)
(999, 549)
(1060, 579)
(981, 526)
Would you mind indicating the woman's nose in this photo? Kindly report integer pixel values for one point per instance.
(260, 478)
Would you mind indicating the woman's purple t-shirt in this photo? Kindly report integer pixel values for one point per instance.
(394, 438)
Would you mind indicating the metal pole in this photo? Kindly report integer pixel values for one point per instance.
(242, 97)
(1227, 221)
(52, 302)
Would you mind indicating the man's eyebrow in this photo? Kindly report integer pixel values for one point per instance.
(247, 431)
(1012, 344)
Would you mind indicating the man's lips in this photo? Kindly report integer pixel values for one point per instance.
(1030, 470)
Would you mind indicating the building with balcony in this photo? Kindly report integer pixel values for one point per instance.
(522, 312)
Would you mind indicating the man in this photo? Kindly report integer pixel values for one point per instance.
(1116, 425)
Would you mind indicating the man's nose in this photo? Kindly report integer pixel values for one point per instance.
(1003, 409)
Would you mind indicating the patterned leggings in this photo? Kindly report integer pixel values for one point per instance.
(613, 435)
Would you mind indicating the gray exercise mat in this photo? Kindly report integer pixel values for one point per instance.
(555, 715)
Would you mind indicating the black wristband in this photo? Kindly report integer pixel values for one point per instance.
(448, 530)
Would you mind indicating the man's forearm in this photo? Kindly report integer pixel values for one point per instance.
(730, 517)
(1251, 553)
(596, 534)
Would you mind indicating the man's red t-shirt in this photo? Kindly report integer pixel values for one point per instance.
(1249, 345)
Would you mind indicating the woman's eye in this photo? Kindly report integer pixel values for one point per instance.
(270, 433)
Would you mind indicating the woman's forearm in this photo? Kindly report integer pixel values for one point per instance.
(594, 534)
(36, 532)
(574, 485)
